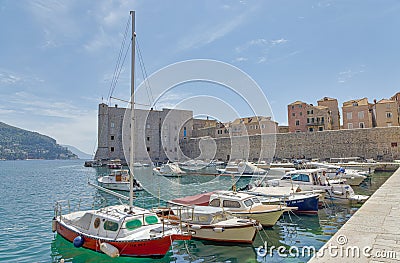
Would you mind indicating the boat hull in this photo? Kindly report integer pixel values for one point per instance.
(244, 234)
(266, 219)
(119, 186)
(139, 248)
(306, 205)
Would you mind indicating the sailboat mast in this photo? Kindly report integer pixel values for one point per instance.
(132, 146)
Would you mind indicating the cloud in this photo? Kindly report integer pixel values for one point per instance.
(240, 59)
(262, 43)
(345, 76)
(208, 33)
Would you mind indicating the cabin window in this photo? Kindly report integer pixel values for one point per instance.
(300, 177)
(96, 223)
(133, 224)
(255, 200)
(215, 203)
(231, 204)
(110, 225)
(248, 202)
(150, 220)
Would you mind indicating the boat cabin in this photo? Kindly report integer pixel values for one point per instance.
(112, 223)
(233, 200)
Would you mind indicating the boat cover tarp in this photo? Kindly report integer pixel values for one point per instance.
(200, 199)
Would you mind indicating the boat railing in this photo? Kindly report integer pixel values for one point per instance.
(73, 205)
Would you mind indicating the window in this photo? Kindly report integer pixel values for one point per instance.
(389, 115)
(300, 177)
(355, 104)
(133, 224)
(148, 126)
(310, 129)
(148, 149)
(308, 120)
(255, 200)
(322, 120)
(112, 125)
(112, 149)
(320, 128)
(297, 122)
(389, 124)
(262, 126)
(388, 106)
(361, 115)
(150, 220)
(110, 225)
(301, 113)
(112, 137)
(231, 204)
(215, 203)
(350, 126)
(148, 138)
(184, 131)
(293, 114)
(349, 115)
(361, 125)
(248, 202)
(300, 106)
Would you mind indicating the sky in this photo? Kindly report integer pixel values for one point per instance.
(57, 58)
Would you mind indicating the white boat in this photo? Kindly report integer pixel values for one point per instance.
(169, 170)
(118, 180)
(241, 168)
(247, 206)
(115, 164)
(353, 177)
(116, 230)
(213, 224)
(315, 179)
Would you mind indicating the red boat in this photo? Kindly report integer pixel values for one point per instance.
(118, 230)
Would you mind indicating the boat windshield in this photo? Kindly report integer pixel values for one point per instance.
(248, 202)
(300, 177)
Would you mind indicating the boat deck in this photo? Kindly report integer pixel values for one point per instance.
(373, 230)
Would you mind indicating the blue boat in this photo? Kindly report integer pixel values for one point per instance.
(306, 203)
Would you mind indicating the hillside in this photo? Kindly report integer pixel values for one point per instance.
(19, 144)
(79, 153)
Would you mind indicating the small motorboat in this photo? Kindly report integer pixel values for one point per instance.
(169, 170)
(212, 224)
(119, 180)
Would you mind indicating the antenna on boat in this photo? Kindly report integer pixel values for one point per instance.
(132, 146)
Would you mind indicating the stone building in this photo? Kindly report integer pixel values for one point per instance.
(303, 117)
(358, 113)
(386, 113)
(333, 107)
(251, 126)
(157, 133)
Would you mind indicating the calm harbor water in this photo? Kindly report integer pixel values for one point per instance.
(29, 190)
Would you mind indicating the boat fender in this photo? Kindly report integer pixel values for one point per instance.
(218, 229)
(196, 227)
(338, 193)
(109, 250)
(78, 241)
(54, 225)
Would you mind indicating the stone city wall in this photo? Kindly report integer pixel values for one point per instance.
(376, 143)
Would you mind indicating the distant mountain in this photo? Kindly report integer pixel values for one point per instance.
(19, 144)
(79, 153)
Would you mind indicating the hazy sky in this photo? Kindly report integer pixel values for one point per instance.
(57, 58)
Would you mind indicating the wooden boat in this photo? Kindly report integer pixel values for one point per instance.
(119, 180)
(212, 224)
(248, 206)
(120, 229)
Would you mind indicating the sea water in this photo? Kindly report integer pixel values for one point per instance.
(29, 190)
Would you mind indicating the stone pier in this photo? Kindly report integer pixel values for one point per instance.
(372, 234)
